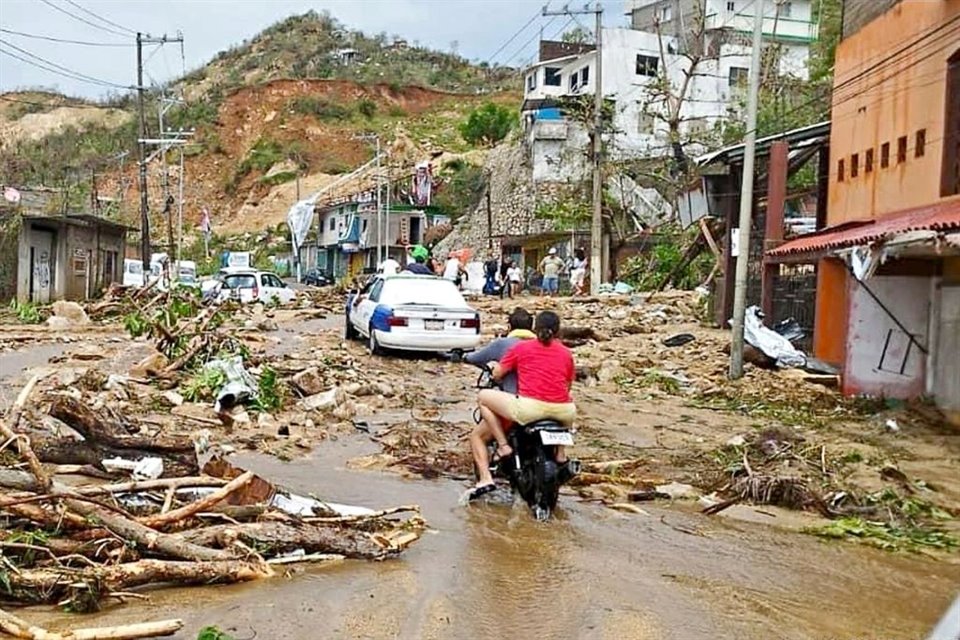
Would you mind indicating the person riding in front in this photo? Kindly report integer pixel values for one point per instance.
(545, 372)
(419, 255)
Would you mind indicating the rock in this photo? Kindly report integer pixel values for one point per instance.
(345, 410)
(59, 323)
(309, 423)
(385, 389)
(267, 325)
(72, 311)
(265, 420)
(324, 401)
(678, 491)
(172, 398)
(617, 314)
(309, 381)
(150, 365)
(241, 417)
(736, 441)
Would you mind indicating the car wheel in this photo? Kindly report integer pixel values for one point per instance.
(349, 331)
(373, 345)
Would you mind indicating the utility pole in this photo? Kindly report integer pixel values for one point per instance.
(489, 218)
(746, 199)
(142, 163)
(596, 220)
(142, 143)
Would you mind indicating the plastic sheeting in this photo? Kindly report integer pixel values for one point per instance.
(770, 342)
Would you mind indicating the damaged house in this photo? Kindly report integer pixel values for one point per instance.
(888, 260)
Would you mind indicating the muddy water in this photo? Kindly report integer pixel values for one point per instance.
(487, 571)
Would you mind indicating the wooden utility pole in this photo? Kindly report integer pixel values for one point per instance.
(489, 219)
(746, 200)
(596, 220)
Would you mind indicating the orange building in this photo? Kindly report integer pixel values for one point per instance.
(888, 290)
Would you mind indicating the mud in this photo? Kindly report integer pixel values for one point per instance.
(489, 570)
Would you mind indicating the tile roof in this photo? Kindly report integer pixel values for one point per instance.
(943, 216)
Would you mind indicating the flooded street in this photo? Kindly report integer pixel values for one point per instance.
(589, 573)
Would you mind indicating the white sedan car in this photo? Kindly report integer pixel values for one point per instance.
(250, 285)
(412, 313)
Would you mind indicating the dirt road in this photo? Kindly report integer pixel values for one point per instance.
(660, 571)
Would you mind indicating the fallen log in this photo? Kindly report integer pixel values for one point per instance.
(86, 452)
(272, 538)
(23, 442)
(203, 504)
(19, 628)
(84, 586)
(101, 429)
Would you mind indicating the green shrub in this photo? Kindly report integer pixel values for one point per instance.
(281, 177)
(487, 125)
(319, 108)
(367, 108)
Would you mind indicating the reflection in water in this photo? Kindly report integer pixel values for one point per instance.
(518, 572)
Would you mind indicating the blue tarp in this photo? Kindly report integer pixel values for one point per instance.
(549, 113)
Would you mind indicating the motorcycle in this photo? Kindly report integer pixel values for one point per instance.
(532, 469)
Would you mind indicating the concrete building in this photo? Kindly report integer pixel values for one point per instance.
(787, 23)
(348, 232)
(68, 257)
(888, 263)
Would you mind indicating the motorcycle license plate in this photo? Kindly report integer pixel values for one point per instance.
(433, 325)
(552, 438)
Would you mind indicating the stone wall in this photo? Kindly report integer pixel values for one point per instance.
(857, 13)
(513, 198)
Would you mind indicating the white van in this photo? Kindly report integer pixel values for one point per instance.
(132, 273)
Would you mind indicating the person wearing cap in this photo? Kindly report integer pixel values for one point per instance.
(419, 255)
(550, 269)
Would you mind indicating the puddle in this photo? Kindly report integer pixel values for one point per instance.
(589, 573)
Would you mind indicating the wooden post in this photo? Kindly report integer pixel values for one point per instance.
(773, 231)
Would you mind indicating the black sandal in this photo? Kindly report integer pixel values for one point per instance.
(483, 490)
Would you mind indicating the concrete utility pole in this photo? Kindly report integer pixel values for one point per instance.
(746, 199)
(596, 220)
(142, 143)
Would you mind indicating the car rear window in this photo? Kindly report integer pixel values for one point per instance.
(240, 281)
(429, 291)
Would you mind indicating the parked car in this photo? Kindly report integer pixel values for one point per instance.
(317, 278)
(412, 313)
(249, 285)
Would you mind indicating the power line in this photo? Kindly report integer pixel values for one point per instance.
(526, 44)
(101, 18)
(65, 41)
(84, 20)
(53, 67)
(77, 105)
(514, 36)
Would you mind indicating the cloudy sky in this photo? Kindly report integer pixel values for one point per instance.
(479, 28)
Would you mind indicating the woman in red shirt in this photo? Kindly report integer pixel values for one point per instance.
(544, 374)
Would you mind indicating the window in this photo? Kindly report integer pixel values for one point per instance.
(840, 170)
(731, 6)
(785, 9)
(950, 169)
(645, 123)
(868, 161)
(885, 155)
(921, 144)
(573, 82)
(647, 65)
(738, 76)
(333, 221)
(901, 149)
(552, 77)
(531, 81)
(364, 226)
(375, 291)
(584, 76)
(666, 14)
(855, 165)
(578, 79)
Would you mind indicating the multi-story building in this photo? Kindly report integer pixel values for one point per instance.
(788, 23)
(888, 265)
(639, 63)
(348, 236)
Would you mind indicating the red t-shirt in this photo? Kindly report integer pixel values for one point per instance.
(544, 372)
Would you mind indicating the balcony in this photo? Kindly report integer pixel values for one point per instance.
(780, 28)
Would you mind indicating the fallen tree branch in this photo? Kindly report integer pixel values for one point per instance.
(184, 512)
(23, 442)
(18, 628)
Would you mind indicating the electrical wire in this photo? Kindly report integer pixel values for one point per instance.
(65, 41)
(51, 105)
(58, 69)
(84, 20)
(101, 18)
(536, 35)
(514, 36)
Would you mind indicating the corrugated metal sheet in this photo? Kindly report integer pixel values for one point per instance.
(943, 216)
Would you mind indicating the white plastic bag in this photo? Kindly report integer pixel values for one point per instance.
(770, 342)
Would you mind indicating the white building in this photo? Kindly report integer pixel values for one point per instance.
(635, 62)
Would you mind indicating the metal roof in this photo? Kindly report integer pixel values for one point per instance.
(806, 135)
(943, 216)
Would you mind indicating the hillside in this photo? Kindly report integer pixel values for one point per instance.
(280, 106)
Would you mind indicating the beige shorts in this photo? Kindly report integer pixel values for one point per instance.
(527, 410)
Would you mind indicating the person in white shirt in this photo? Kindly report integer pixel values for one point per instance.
(514, 279)
(452, 269)
(389, 267)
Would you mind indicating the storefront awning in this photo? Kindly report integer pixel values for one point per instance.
(941, 217)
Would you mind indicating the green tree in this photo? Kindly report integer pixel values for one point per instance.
(487, 125)
(577, 35)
